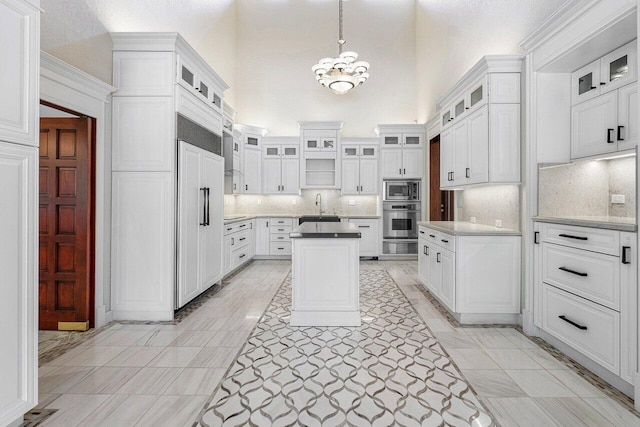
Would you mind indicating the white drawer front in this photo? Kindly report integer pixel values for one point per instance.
(280, 237)
(281, 221)
(600, 340)
(276, 228)
(239, 257)
(447, 241)
(241, 239)
(280, 248)
(591, 275)
(591, 239)
(236, 226)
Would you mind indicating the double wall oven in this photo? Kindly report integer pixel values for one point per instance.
(401, 211)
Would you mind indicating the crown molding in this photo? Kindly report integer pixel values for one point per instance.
(67, 75)
(399, 128)
(320, 125)
(251, 129)
(292, 140)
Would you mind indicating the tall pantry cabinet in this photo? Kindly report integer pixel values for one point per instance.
(161, 81)
(20, 57)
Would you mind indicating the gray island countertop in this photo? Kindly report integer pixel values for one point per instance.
(326, 230)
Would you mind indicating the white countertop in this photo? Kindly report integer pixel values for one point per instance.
(464, 228)
(605, 222)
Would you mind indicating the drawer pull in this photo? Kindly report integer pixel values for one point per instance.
(444, 241)
(364, 226)
(242, 256)
(280, 238)
(571, 322)
(230, 228)
(625, 253)
(422, 232)
(242, 238)
(577, 273)
(243, 225)
(569, 236)
(432, 236)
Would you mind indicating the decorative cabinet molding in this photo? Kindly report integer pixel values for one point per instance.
(585, 293)
(20, 47)
(480, 144)
(19, 266)
(321, 153)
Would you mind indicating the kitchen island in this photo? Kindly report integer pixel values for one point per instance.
(325, 274)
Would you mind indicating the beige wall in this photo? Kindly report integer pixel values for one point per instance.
(279, 42)
(78, 31)
(452, 35)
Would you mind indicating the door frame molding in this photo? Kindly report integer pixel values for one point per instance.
(68, 87)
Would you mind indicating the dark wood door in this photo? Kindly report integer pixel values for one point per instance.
(440, 202)
(66, 223)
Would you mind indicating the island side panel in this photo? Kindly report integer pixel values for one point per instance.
(326, 283)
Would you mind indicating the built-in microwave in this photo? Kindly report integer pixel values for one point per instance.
(401, 190)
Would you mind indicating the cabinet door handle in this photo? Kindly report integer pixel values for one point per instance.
(601, 84)
(267, 224)
(426, 250)
(620, 128)
(571, 322)
(246, 187)
(438, 257)
(404, 171)
(208, 206)
(609, 137)
(577, 273)
(625, 253)
(235, 186)
(233, 241)
(204, 206)
(536, 237)
(400, 171)
(468, 173)
(569, 236)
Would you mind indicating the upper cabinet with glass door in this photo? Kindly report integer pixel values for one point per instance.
(321, 140)
(197, 83)
(470, 100)
(612, 71)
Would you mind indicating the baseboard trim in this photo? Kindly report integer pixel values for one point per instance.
(155, 316)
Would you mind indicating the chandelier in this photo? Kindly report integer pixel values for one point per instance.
(343, 73)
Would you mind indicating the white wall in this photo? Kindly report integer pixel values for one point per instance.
(279, 42)
(452, 35)
(77, 31)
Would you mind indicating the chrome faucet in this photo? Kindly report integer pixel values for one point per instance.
(319, 203)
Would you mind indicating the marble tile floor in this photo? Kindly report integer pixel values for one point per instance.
(164, 374)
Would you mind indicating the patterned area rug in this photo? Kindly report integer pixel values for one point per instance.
(389, 371)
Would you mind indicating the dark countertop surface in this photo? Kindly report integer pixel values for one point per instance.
(326, 230)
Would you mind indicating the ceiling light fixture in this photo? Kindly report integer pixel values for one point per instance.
(343, 73)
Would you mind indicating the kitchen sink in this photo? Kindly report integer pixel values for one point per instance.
(323, 218)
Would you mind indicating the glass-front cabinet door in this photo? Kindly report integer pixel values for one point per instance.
(477, 96)
(311, 144)
(252, 141)
(272, 151)
(289, 151)
(392, 140)
(585, 83)
(329, 144)
(619, 67)
(369, 151)
(350, 151)
(412, 140)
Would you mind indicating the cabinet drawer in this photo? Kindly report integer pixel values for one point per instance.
(594, 331)
(276, 229)
(447, 241)
(240, 240)
(239, 257)
(280, 237)
(591, 239)
(588, 274)
(280, 248)
(236, 226)
(276, 222)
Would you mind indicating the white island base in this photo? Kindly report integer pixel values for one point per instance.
(326, 287)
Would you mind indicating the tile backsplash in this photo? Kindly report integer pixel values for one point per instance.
(304, 204)
(585, 188)
(489, 203)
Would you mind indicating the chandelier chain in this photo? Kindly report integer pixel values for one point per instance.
(341, 41)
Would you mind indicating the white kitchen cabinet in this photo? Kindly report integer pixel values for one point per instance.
(19, 128)
(252, 171)
(476, 277)
(239, 245)
(401, 151)
(262, 236)
(370, 236)
(359, 168)
(481, 125)
(19, 85)
(614, 70)
(585, 292)
(605, 124)
(320, 162)
(200, 199)
(281, 166)
(165, 89)
(19, 291)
